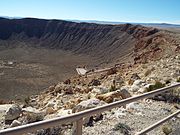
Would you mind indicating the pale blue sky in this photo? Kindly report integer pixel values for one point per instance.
(165, 11)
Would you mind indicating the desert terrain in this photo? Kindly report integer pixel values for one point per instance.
(38, 80)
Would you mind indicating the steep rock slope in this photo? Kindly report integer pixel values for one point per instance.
(106, 42)
(47, 51)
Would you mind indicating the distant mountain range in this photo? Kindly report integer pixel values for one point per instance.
(116, 23)
(161, 25)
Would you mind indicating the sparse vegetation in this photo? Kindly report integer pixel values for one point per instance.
(174, 95)
(167, 129)
(157, 85)
(123, 128)
(26, 100)
(113, 86)
(178, 79)
(168, 81)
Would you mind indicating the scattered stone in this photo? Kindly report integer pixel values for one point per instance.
(88, 104)
(120, 112)
(64, 112)
(138, 82)
(57, 88)
(33, 115)
(68, 90)
(134, 88)
(176, 73)
(95, 82)
(68, 81)
(124, 93)
(51, 88)
(100, 90)
(5, 107)
(111, 71)
(72, 103)
(109, 97)
(50, 110)
(15, 123)
(133, 106)
(13, 112)
(135, 76)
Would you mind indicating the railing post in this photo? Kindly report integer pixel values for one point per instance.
(77, 127)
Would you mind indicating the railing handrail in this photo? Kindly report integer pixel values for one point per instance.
(77, 116)
(146, 130)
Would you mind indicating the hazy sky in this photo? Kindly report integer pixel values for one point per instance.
(167, 11)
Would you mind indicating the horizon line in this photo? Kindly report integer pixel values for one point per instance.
(94, 20)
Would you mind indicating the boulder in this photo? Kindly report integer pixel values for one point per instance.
(109, 97)
(88, 104)
(33, 115)
(13, 112)
(5, 107)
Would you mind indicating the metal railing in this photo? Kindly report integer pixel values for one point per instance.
(78, 117)
(146, 130)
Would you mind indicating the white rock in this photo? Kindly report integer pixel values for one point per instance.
(13, 112)
(142, 90)
(134, 88)
(120, 112)
(139, 113)
(5, 107)
(15, 123)
(133, 106)
(50, 116)
(63, 112)
(30, 109)
(91, 103)
(138, 82)
(124, 93)
(33, 114)
(100, 90)
(51, 103)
